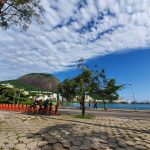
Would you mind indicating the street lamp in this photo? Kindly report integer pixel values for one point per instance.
(133, 94)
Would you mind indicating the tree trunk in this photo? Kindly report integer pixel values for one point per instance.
(83, 105)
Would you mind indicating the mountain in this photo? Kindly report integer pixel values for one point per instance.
(35, 81)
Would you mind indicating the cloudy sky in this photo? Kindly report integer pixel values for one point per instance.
(74, 29)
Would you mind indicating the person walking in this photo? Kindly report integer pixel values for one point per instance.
(80, 105)
(95, 104)
(89, 104)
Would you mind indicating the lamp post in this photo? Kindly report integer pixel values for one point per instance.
(133, 94)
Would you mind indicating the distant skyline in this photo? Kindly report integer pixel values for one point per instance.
(112, 33)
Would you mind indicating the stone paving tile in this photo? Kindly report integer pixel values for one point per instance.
(25, 132)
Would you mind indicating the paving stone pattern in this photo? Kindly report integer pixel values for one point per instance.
(26, 132)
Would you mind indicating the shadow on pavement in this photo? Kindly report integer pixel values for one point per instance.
(73, 136)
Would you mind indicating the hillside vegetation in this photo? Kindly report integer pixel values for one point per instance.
(35, 82)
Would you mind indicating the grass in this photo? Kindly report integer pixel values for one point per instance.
(87, 116)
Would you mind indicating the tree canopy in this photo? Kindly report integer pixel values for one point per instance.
(67, 89)
(19, 12)
(106, 89)
(9, 95)
(90, 82)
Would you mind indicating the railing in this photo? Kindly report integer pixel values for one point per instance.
(29, 109)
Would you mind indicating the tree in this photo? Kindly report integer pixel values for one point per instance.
(67, 89)
(78, 86)
(10, 95)
(86, 84)
(106, 88)
(83, 86)
(92, 83)
(19, 12)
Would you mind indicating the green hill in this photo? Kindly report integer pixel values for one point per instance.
(35, 82)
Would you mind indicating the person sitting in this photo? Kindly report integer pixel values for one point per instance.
(40, 106)
(45, 104)
(34, 104)
(51, 108)
(36, 100)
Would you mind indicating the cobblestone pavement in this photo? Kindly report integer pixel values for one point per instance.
(24, 132)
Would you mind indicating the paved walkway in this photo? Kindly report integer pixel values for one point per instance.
(24, 132)
(132, 114)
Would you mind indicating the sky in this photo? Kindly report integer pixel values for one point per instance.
(114, 34)
(131, 67)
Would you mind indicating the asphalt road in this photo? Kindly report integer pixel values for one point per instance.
(142, 115)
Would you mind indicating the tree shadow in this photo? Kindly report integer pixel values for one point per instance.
(145, 131)
(109, 126)
(72, 135)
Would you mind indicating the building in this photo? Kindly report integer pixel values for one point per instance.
(8, 85)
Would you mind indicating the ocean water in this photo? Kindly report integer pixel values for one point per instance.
(112, 106)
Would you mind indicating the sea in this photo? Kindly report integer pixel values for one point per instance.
(112, 106)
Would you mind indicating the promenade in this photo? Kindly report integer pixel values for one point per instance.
(119, 113)
(106, 132)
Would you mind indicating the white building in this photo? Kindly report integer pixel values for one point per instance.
(8, 85)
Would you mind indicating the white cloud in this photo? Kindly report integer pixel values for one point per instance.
(73, 29)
